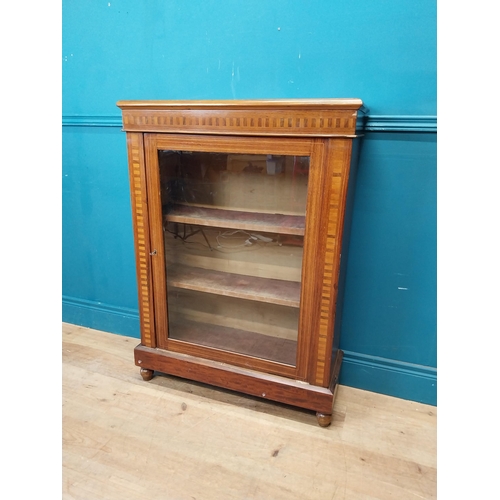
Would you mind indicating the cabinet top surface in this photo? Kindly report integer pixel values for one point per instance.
(347, 103)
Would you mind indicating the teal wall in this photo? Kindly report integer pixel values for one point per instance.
(382, 52)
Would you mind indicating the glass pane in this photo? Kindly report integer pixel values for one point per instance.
(234, 236)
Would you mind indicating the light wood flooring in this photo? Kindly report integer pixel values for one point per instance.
(124, 438)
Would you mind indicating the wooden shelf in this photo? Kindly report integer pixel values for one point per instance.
(231, 219)
(233, 340)
(286, 293)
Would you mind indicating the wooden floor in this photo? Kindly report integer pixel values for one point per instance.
(124, 438)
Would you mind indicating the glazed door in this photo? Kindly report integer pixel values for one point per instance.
(232, 254)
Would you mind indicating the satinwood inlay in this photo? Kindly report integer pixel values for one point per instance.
(242, 122)
(142, 257)
(329, 275)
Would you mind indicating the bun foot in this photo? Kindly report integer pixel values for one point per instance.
(147, 374)
(323, 420)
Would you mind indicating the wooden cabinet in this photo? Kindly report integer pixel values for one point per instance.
(240, 211)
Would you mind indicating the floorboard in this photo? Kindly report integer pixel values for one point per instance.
(124, 438)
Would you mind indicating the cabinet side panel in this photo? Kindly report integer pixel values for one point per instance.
(137, 176)
(338, 160)
(346, 233)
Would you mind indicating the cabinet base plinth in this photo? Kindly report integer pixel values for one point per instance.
(243, 380)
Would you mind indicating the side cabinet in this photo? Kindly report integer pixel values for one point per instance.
(240, 209)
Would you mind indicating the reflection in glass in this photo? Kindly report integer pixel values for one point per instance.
(234, 233)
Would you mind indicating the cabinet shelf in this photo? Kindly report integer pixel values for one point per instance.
(232, 219)
(233, 340)
(286, 293)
